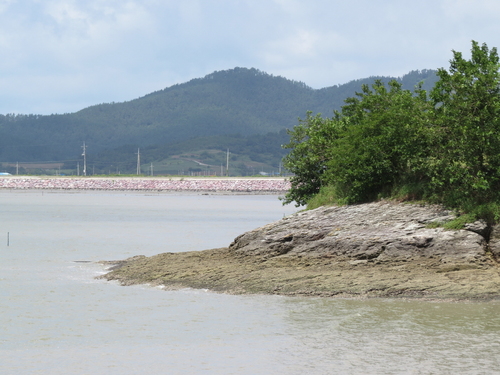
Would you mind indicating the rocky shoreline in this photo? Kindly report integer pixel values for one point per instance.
(382, 249)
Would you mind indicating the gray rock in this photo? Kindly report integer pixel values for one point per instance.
(381, 231)
(479, 227)
(494, 243)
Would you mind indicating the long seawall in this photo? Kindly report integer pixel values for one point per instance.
(263, 185)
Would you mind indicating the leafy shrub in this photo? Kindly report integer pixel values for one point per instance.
(390, 142)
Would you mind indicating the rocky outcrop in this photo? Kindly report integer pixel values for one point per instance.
(382, 249)
(382, 232)
(494, 242)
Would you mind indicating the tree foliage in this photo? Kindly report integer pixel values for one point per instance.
(390, 141)
(310, 144)
(465, 164)
(382, 144)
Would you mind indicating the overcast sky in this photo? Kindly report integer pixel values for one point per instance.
(59, 56)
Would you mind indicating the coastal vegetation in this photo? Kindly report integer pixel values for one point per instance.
(388, 141)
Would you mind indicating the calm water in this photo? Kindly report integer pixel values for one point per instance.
(55, 318)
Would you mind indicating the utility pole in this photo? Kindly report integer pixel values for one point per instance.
(227, 163)
(138, 161)
(151, 169)
(17, 168)
(84, 159)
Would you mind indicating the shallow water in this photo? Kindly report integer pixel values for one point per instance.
(55, 318)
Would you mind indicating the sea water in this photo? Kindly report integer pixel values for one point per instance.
(56, 318)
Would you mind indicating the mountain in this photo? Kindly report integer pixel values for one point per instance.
(239, 103)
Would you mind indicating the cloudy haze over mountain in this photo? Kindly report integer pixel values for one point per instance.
(59, 56)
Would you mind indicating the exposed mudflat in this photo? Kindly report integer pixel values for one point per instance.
(380, 249)
(221, 271)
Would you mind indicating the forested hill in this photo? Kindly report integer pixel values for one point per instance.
(240, 101)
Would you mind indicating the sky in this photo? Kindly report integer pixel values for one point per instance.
(60, 56)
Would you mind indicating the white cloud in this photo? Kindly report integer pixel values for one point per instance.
(56, 55)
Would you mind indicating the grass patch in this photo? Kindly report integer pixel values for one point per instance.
(468, 211)
(459, 222)
(490, 213)
(408, 192)
(326, 197)
(330, 195)
(434, 224)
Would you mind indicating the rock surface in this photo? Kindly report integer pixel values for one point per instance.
(382, 231)
(372, 250)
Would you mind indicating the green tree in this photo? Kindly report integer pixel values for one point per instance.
(310, 145)
(465, 163)
(365, 151)
(382, 148)
(446, 149)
